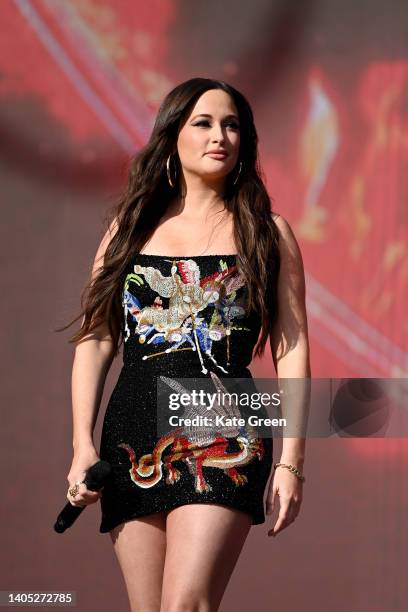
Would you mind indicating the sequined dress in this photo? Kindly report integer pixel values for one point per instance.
(182, 317)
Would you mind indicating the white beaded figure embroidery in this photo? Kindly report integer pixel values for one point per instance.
(188, 295)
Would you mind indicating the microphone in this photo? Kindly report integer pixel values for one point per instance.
(94, 479)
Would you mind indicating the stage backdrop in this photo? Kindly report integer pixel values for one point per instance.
(81, 82)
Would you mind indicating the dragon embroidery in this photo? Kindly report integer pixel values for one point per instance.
(198, 447)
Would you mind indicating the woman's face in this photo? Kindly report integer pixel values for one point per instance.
(201, 134)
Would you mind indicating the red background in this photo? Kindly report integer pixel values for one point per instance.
(81, 82)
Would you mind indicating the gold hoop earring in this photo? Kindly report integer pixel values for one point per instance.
(168, 172)
(239, 172)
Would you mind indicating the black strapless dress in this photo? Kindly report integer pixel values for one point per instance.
(182, 317)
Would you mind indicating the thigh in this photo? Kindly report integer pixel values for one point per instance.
(203, 545)
(140, 546)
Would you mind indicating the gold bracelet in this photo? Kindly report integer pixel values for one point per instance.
(292, 469)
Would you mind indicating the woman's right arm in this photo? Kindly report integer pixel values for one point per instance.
(92, 359)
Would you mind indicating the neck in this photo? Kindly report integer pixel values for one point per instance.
(196, 207)
(199, 198)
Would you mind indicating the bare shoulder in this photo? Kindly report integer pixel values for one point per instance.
(282, 224)
(110, 232)
(107, 237)
(288, 244)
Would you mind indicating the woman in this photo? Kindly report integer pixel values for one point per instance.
(192, 267)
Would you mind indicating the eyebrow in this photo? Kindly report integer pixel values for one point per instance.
(232, 116)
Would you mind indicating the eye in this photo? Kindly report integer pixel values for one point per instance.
(233, 124)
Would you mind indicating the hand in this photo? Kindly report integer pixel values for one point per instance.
(290, 491)
(83, 459)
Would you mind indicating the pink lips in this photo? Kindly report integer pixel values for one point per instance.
(217, 155)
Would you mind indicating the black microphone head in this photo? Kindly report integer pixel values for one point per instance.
(97, 474)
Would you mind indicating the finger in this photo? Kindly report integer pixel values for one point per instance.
(83, 497)
(294, 510)
(80, 500)
(72, 498)
(295, 505)
(91, 499)
(84, 500)
(283, 519)
(279, 525)
(89, 493)
(79, 504)
(77, 485)
(76, 504)
(78, 495)
(270, 502)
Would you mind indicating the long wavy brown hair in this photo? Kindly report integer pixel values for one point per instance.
(145, 200)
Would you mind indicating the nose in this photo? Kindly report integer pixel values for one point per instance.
(217, 134)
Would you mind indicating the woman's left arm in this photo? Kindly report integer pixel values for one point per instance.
(290, 353)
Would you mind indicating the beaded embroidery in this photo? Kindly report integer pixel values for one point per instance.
(198, 447)
(188, 295)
